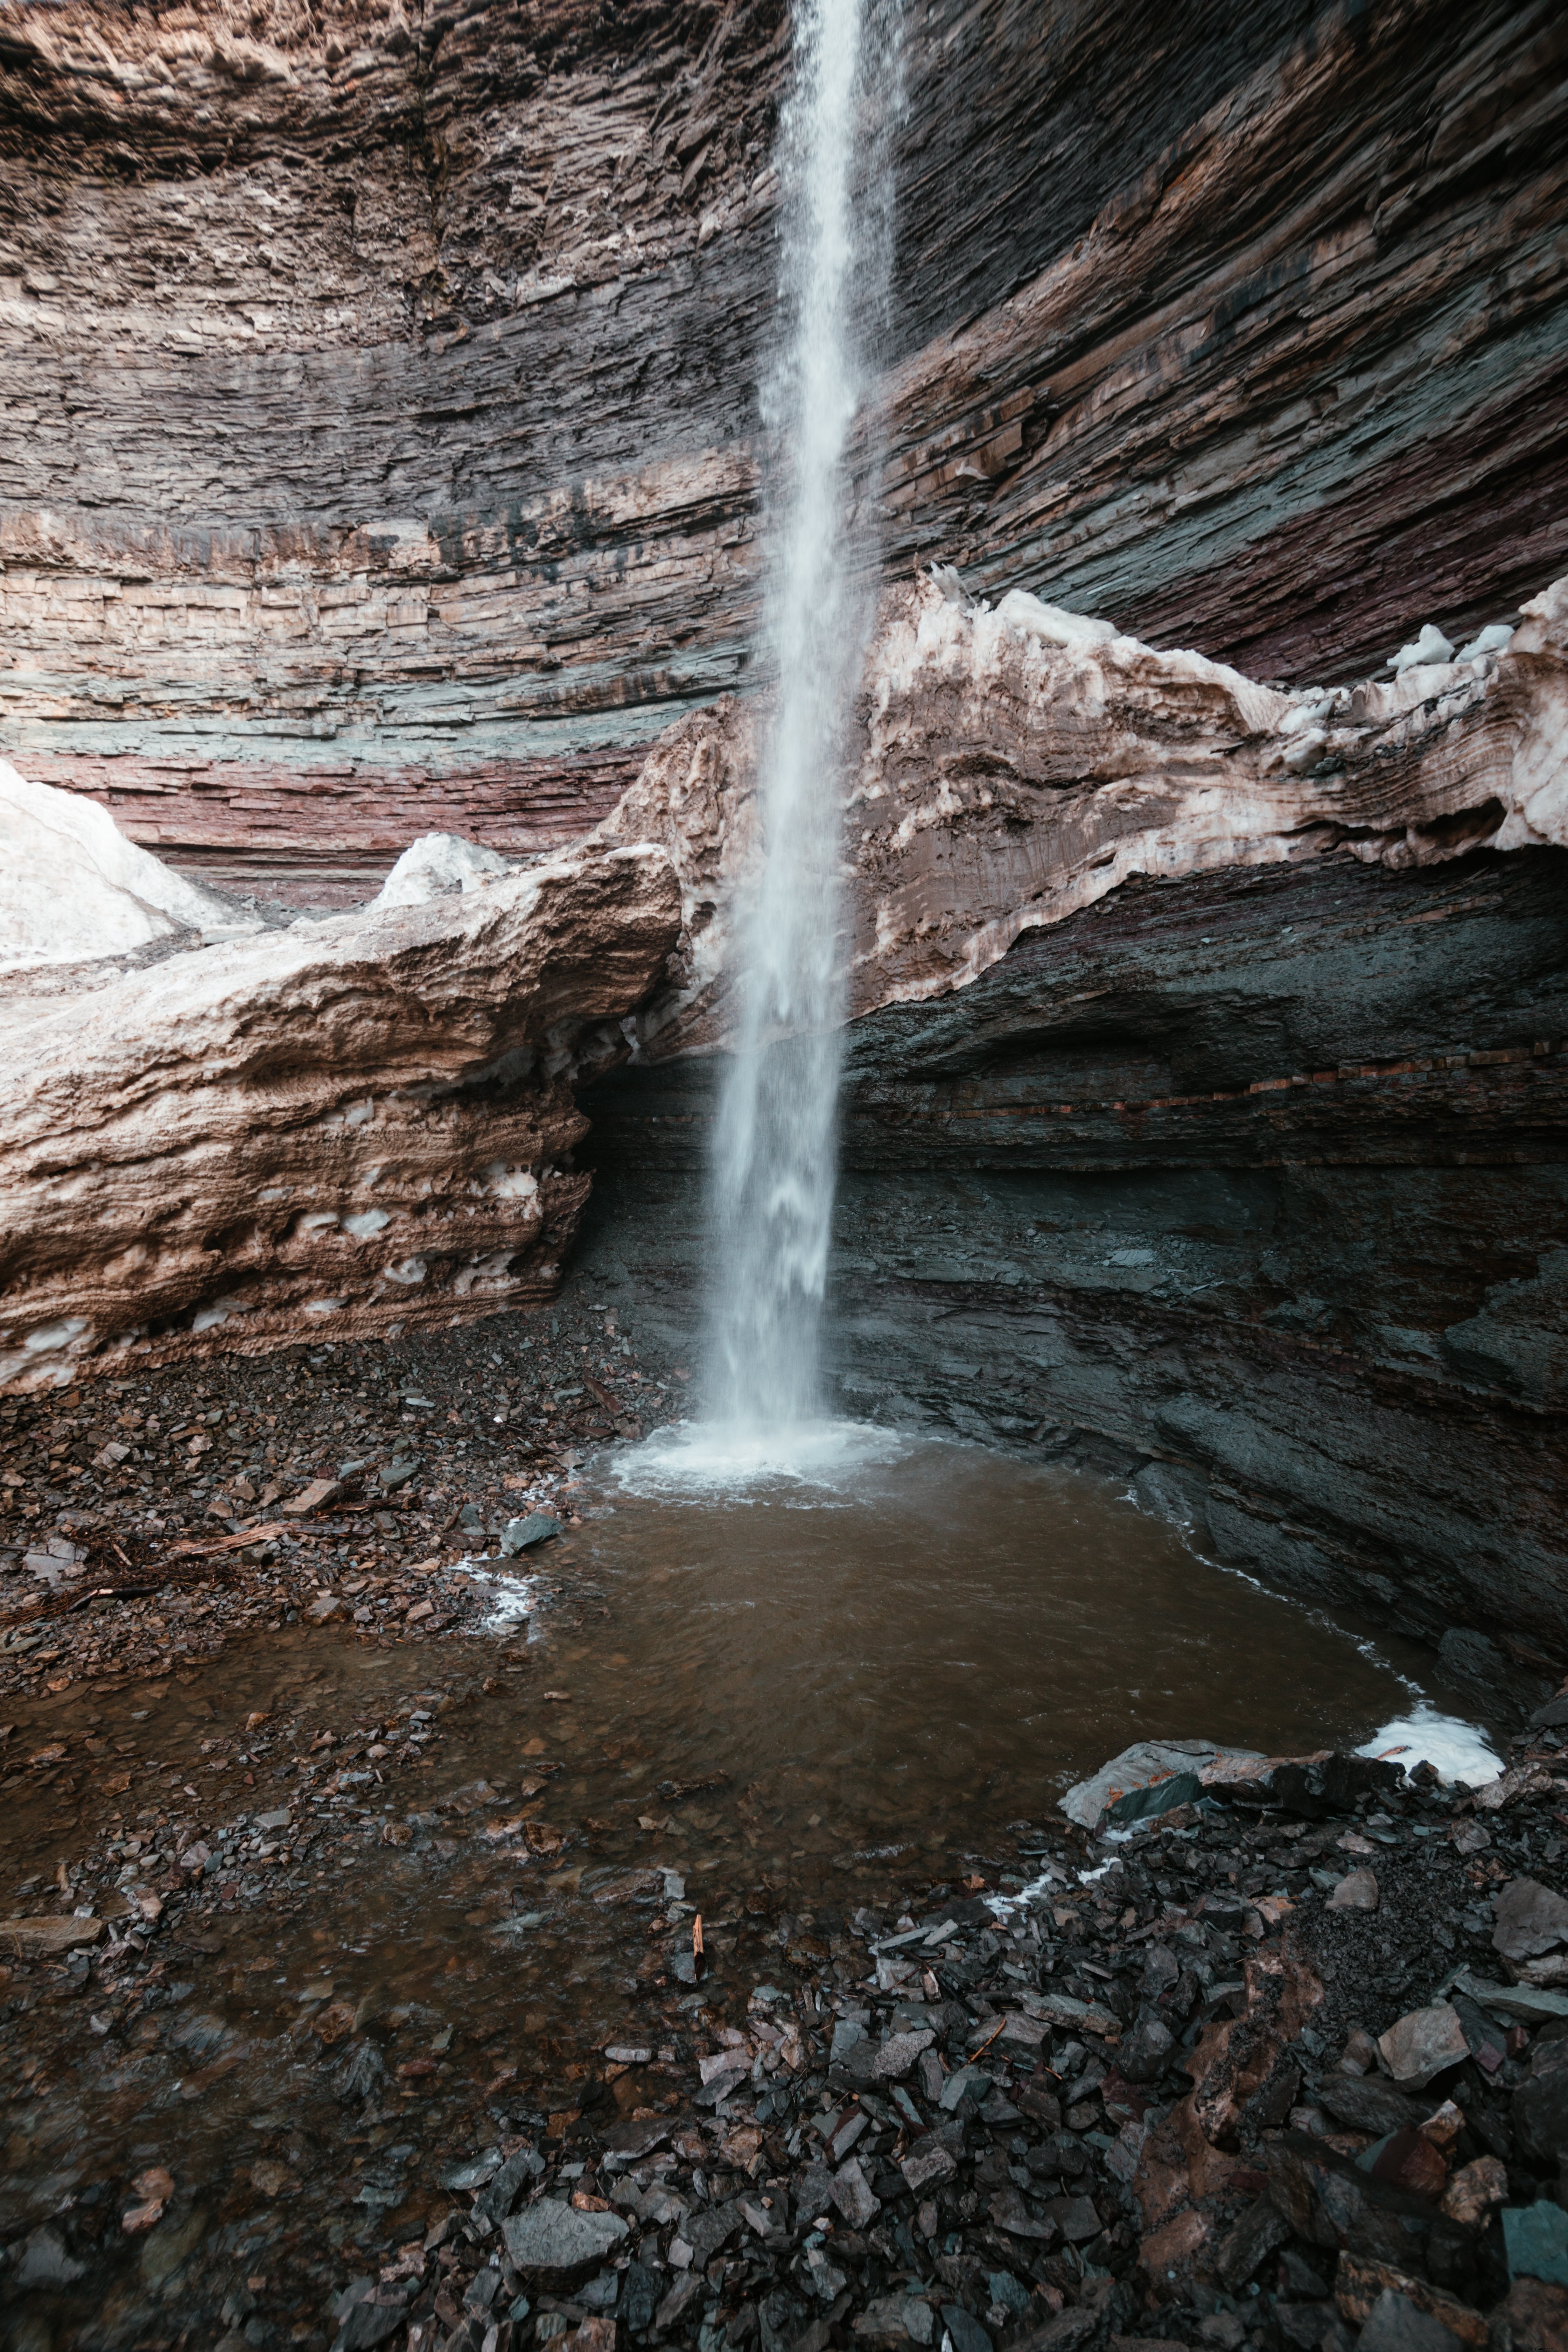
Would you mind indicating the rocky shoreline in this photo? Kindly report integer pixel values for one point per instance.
(142, 1522)
(1274, 2066)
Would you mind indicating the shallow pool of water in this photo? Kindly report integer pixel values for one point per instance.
(769, 1704)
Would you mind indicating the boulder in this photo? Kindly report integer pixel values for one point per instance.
(1423, 2044)
(1539, 2109)
(1531, 1919)
(1153, 1775)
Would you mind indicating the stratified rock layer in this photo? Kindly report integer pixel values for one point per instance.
(1016, 765)
(353, 1127)
(1206, 1114)
(1250, 1186)
(379, 441)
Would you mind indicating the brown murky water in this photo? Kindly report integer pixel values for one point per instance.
(770, 1707)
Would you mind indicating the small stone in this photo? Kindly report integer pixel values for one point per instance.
(926, 2165)
(851, 2192)
(1075, 2217)
(1394, 2324)
(522, 1535)
(964, 2329)
(896, 2318)
(1009, 2213)
(640, 2296)
(678, 2301)
(45, 2263)
(1424, 2044)
(1531, 1920)
(44, 1939)
(1357, 1891)
(971, 2082)
(898, 2055)
(1473, 2192)
(1536, 2239)
(1261, 2232)
(313, 1497)
(324, 1608)
(556, 2242)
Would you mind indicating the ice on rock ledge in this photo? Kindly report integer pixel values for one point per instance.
(435, 864)
(72, 889)
(1430, 646)
(1025, 615)
(1494, 639)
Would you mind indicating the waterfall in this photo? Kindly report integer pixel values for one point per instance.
(774, 1161)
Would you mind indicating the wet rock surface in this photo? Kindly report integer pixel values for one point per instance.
(1143, 2085)
(146, 1520)
(1247, 1186)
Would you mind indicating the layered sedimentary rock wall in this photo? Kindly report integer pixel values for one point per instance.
(379, 446)
(380, 452)
(1253, 1187)
(342, 1129)
(1223, 1140)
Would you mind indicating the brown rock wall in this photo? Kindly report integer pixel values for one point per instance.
(352, 1128)
(389, 372)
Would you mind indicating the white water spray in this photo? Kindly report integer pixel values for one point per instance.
(774, 1161)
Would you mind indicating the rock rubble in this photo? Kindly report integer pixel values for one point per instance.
(144, 1523)
(1151, 2085)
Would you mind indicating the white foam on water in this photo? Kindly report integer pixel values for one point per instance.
(720, 1459)
(515, 1598)
(1457, 1750)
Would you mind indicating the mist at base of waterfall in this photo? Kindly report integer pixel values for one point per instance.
(735, 1459)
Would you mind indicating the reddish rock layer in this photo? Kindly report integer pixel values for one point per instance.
(343, 1128)
(387, 379)
(325, 835)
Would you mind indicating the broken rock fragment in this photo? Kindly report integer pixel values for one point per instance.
(557, 2244)
(1423, 2045)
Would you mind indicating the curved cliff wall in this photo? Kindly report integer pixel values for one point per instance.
(378, 433)
(380, 451)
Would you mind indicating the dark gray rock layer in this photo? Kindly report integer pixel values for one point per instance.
(1253, 1186)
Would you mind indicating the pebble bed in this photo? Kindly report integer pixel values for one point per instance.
(142, 1523)
(1095, 2089)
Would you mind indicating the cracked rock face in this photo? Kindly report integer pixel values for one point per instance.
(351, 1128)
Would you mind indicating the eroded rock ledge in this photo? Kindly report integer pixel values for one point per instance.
(1019, 764)
(352, 1128)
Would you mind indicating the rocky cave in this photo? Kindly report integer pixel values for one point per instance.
(384, 475)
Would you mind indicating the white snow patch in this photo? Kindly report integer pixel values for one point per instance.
(435, 864)
(1023, 616)
(366, 1223)
(1494, 639)
(1456, 1749)
(514, 1597)
(72, 889)
(1431, 646)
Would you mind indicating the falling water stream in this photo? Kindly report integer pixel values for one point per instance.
(773, 1176)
